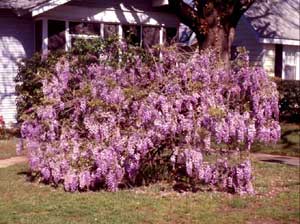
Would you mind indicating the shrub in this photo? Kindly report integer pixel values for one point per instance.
(109, 126)
(32, 71)
(2, 127)
(289, 100)
(29, 80)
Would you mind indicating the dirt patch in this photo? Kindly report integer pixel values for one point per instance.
(12, 161)
(288, 160)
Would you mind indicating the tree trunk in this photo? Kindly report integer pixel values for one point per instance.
(220, 40)
(216, 31)
(213, 21)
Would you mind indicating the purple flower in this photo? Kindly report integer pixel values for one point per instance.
(84, 179)
(99, 125)
(71, 182)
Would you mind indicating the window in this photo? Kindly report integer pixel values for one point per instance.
(291, 62)
(56, 35)
(290, 72)
(38, 35)
(62, 34)
(85, 28)
(110, 30)
(170, 36)
(150, 36)
(132, 34)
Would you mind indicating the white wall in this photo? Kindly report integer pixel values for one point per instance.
(16, 42)
(263, 53)
(291, 59)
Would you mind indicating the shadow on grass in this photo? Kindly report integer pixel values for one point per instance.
(285, 140)
(28, 175)
(273, 161)
(288, 145)
(291, 184)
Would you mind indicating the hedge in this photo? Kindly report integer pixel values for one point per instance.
(289, 100)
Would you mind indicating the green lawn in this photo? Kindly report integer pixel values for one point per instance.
(276, 201)
(8, 148)
(288, 145)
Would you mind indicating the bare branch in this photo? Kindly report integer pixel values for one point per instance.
(186, 13)
(240, 7)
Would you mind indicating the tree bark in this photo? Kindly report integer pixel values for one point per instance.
(214, 22)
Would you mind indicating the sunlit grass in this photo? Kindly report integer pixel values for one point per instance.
(8, 148)
(276, 201)
(288, 145)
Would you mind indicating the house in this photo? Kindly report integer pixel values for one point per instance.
(27, 26)
(270, 30)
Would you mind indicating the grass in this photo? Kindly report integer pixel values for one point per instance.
(276, 201)
(8, 148)
(289, 144)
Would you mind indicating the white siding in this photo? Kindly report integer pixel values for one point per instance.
(16, 42)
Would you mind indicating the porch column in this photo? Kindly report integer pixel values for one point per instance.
(45, 36)
(120, 32)
(102, 30)
(68, 37)
(161, 34)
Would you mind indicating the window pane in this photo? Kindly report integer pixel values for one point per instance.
(56, 34)
(38, 35)
(110, 30)
(150, 36)
(170, 36)
(84, 28)
(290, 72)
(132, 34)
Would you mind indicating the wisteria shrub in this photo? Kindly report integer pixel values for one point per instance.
(108, 127)
(84, 52)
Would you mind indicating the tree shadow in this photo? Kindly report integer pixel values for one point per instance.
(276, 19)
(273, 161)
(29, 176)
(291, 184)
(285, 140)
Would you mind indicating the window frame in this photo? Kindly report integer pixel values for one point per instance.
(68, 36)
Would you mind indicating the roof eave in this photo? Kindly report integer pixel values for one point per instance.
(51, 4)
(279, 41)
(159, 3)
(44, 7)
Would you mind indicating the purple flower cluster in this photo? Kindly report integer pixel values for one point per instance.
(96, 128)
